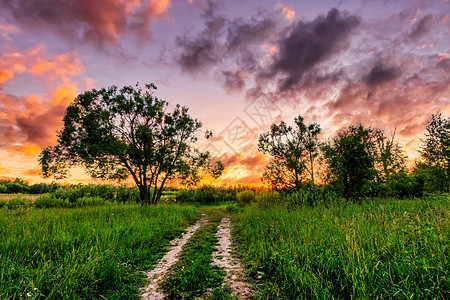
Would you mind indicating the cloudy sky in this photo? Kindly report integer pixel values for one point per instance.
(238, 66)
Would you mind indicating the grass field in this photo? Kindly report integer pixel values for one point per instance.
(84, 253)
(385, 249)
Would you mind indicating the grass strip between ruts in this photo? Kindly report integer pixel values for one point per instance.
(193, 274)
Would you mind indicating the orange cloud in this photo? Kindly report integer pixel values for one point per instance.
(28, 123)
(33, 172)
(287, 11)
(38, 63)
(243, 168)
(61, 66)
(159, 7)
(99, 22)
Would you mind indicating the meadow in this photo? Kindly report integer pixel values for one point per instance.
(84, 253)
(290, 248)
(379, 249)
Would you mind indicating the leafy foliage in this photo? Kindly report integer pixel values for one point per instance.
(350, 159)
(436, 146)
(293, 150)
(128, 132)
(207, 195)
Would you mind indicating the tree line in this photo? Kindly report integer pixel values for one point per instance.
(358, 161)
(129, 133)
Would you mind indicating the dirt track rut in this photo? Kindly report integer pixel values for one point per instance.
(151, 291)
(235, 276)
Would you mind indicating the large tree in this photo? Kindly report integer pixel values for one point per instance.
(436, 146)
(116, 134)
(293, 150)
(350, 157)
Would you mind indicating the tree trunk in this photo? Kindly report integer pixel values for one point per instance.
(312, 167)
(448, 179)
(144, 194)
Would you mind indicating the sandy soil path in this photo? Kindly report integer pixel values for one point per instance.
(150, 292)
(235, 276)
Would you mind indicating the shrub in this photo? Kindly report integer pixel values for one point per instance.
(3, 189)
(90, 201)
(233, 208)
(42, 188)
(313, 195)
(47, 201)
(17, 202)
(16, 187)
(270, 198)
(107, 192)
(245, 197)
(206, 195)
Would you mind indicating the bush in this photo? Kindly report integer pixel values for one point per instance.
(47, 201)
(233, 208)
(90, 201)
(3, 189)
(268, 198)
(16, 187)
(207, 195)
(245, 197)
(42, 188)
(106, 192)
(313, 195)
(17, 202)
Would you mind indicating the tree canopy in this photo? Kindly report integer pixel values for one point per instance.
(116, 133)
(350, 159)
(436, 145)
(293, 150)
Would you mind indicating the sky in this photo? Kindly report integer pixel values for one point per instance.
(238, 65)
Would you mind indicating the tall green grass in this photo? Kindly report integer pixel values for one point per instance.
(193, 273)
(386, 249)
(84, 253)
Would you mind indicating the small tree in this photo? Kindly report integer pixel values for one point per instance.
(293, 151)
(350, 159)
(435, 149)
(115, 134)
(389, 156)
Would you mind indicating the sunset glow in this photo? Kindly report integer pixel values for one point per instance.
(239, 66)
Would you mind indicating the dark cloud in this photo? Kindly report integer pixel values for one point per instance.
(345, 70)
(242, 33)
(39, 128)
(422, 27)
(309, 44)
(234, 80)
(99, 21)
(381, 73)
(254, 47)
(224, 38)
(444, 64)
(203, 50)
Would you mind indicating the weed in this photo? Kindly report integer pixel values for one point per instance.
(378, 249)
(84, 253)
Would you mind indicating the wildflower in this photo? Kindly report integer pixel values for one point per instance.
(28, 295)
